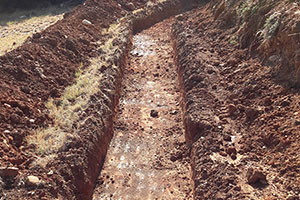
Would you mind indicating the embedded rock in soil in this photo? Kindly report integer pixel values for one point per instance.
(9, 171)
(255, 176)
(33, 181)
(154, 113)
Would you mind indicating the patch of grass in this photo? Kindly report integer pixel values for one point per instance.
(247, 9)
(66, 110)
(47, 140)
(12, 41)
(271, 26)
(233, 40)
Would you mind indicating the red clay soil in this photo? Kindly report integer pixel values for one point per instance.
(242, 125)
(147, 157)
(38, 70)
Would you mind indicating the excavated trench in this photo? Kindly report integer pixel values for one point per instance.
(147, 157)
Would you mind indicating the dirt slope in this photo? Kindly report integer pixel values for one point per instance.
(38, 70)
(242, 125)
(40, 73)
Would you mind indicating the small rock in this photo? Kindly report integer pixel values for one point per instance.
(50, 173)
(130, 6)
(223, 153)
(25, 89)
(36, 36)
(255, 176)
(32, 120)
(6, 131)
(173, 158)
(71, 45)
(227, 138)
(156, 75)
(231, 109)
(7, 105)
(237, 188)
(180, 17)
(33, 180)
(174, 112)
(268, 101)
(86, 22)
(210, 71)
(154, 113)
(9, 171)
(233, 156)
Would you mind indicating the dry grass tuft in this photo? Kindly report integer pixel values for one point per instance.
(66, 110)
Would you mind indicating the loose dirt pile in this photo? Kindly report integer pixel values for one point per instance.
(241, 124)
(41, 69)
(38, 70)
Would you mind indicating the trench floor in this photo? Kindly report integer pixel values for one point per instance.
(147, 158)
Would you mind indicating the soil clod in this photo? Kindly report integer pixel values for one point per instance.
(154, 113)
(255, 176)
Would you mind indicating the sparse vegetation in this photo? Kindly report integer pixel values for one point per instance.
(271, 25)
(234, 40)
(65, 110)
(247, 9)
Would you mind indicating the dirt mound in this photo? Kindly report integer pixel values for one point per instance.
(41, 69)
(269, 28)
(240, 123)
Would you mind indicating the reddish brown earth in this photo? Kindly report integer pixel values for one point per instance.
(38, 70)
(242, 125)
(147, 158)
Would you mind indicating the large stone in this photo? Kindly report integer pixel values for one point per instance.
(33, 180)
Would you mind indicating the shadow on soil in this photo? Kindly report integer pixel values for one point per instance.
(20, 15)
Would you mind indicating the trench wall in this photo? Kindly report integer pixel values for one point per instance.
(86, 156)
